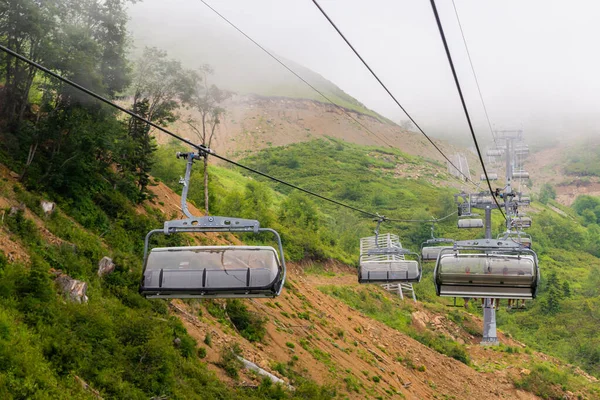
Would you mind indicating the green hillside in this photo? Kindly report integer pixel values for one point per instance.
(561, 321)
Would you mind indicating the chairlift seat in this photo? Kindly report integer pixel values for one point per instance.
(470, 223)
(211, 270)
(494, 152)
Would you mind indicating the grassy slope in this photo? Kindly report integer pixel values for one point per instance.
(365, 177)
(60, 341)
(119, 343)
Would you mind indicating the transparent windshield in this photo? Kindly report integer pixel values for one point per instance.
(213, 258)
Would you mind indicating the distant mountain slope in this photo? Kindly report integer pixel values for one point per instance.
(238, 64)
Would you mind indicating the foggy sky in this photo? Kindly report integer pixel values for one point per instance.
(537, 61)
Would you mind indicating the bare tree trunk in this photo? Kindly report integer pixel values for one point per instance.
(30, 156)
(206, 184)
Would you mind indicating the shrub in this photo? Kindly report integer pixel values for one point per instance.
(208, 339)
(201, 352)
(250, 325)
(230, 362)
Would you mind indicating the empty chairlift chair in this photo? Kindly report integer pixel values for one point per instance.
(383, 260)
(487, 268)
(212, 271)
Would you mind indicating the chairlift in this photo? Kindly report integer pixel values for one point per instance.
(430, 253)
(383, 260)
(465, 215)
(522, 150)
(467, 223)
(487, 268)
(494, 152)
(520, 175)
(520, 237)
(521, 222)
(524, 200)
(226, 271)
(492, 176)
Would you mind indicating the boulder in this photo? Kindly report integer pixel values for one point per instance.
(15, 209)
(105, 266)
(76, 290)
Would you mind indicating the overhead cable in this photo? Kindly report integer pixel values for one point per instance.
(202, 149)
(344, 110)
(487, 117)
(462, 100)
(389, 92)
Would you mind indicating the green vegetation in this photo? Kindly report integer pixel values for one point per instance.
(376, 304)
(230, 361)
(549, 382)
(250, 325)
(312, 229)
(583, 160)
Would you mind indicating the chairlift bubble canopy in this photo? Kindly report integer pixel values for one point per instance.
(520, 175)
(521, 222)
(383, 260)
(470, 223)
(492, 176)
(431, 253)
(487, 268)
(212, 271)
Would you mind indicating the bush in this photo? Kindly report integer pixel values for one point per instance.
(230, 362)
(201, 352)
(250, 325)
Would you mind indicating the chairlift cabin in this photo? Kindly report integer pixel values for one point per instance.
(522, 150)
(494, 152)
(521, 222)
(431, 253)
(520, 175)
(520, 237)
(492, 176)
(212, 271)
(470, 223)
(524, 200)
(487, 268)
(383, 260)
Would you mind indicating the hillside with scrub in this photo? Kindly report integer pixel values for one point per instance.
(81, 185)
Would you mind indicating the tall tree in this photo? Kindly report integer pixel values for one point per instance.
(161, 87)
(207, 101)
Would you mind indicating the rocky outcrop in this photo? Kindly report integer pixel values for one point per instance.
(106, 266)
(73, 288)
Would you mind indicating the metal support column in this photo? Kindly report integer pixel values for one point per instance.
(489, 313)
